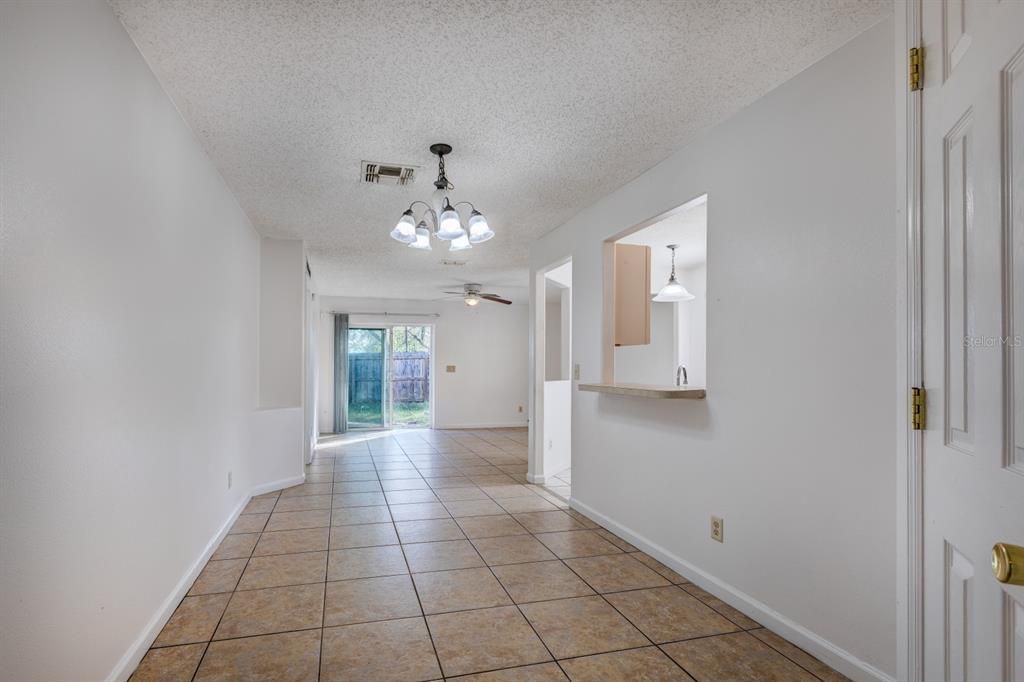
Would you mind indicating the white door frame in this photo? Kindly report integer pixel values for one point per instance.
(538, 350)
(910, 502)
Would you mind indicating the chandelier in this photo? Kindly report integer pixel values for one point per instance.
(445, 221)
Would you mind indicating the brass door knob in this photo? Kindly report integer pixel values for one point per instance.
(1008, 563)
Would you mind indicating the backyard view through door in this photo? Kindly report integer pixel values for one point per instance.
(389, 373)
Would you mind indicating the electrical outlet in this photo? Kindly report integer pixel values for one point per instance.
(551, 444)
(520, 409)
(229, 480)
(576, 372)
(717, 529)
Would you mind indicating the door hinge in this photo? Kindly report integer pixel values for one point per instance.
(916, 65)
(918, 409)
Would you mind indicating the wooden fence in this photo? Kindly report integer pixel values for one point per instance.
(410, 374)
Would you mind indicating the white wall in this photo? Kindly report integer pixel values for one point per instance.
(129, 285)
(795, 444)
(311, 324)
(691, 318)
(282, 310)
(655, 362)
(553, 345)
(565, 333)
(487, 344)
(557, 427)
(325, 369)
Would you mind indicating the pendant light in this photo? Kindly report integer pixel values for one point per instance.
(673, 290)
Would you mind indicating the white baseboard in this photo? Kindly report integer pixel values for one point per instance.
(126, 666)
(277, 485)
(835, 656)
(539, 479)
(492, 425)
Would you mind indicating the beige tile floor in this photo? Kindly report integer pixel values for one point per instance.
(422, 555)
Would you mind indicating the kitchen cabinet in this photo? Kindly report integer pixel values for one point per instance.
(632, 292)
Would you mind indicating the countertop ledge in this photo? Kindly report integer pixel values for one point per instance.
(648, 391)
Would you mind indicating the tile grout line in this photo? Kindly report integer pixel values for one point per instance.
(327, 563)
(419, 601)
(518, 608)
(786, 656)
(213, 633)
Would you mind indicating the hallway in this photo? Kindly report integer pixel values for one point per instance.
(421, 555)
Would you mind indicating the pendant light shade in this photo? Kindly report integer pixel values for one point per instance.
(673, 290)
(422, 240)
(405, 230)
(479, 230)
(450, 224)
(460, 243)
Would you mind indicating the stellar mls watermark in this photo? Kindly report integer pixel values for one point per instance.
(993, 341)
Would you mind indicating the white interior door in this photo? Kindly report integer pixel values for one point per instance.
(973, 269)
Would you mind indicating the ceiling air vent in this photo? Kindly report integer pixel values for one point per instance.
(388, 173)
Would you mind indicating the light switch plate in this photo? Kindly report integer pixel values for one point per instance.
(450, 369)
(717, 529)
(576, 372)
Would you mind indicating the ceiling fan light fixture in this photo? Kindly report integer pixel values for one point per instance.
(450, 226)
(472, 299)
(479, 230)
(405, 230)
(460, 243)
(422, 241)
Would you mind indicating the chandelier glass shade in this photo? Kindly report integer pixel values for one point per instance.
(460, 243)
(422, 238)
(479, 230)
(451, 223)
(442, 216)
(405, 230)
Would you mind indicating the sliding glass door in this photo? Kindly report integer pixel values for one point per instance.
(409, 385)
(388, 376)
(367, 374)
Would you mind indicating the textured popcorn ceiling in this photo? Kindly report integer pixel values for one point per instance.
(550, 104)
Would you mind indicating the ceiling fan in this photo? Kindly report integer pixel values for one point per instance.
(472, 295)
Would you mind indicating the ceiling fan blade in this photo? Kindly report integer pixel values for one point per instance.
(496, 299)
(455, 293)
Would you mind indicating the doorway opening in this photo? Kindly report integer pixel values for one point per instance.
(551, 463)
(389, 370)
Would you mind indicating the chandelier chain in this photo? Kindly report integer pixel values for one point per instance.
(442, 180)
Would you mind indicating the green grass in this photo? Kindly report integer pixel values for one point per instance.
(411, 414)
(405, 414)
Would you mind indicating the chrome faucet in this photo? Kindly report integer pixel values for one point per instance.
(681, 370)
